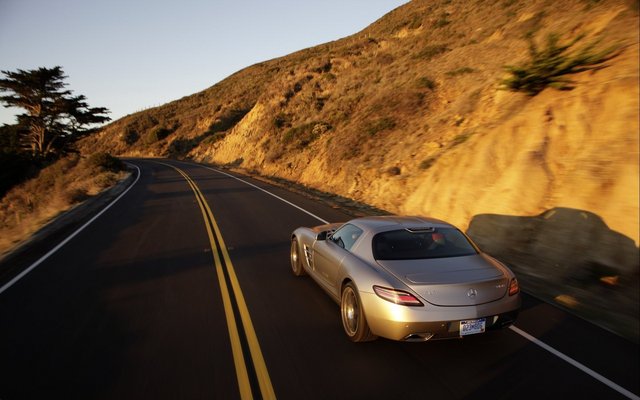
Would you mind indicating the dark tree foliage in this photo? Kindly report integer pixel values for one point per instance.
(54, 118)
(15, 166)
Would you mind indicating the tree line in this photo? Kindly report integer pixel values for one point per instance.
(52, 121)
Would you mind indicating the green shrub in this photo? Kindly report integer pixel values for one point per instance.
(548, 67)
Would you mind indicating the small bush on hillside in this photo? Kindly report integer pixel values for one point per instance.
(289, 95)
(280, 120)
(460, 71)
(298, 131)
(443, 21)
(155, 135)
(331, 77)
(320, 102)
(324, 68)
(163, 132)
(379, 125)
(548, 67)
(431, 51)
(180, 147)
(394, 171)
(461, 138)
(427, 163)
(130, 136)
(105, 162)
(305, 134)
(426, 83)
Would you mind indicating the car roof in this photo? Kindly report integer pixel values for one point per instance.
(391, 222)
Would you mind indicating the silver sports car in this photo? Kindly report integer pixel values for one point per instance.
(406, 278)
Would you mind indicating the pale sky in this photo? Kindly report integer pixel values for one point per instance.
(127, 55)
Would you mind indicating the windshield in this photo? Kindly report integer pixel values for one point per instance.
(410, 245)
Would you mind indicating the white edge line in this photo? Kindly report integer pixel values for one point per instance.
(576, 364)
(269, 193)
(519, 331)
(65, 241)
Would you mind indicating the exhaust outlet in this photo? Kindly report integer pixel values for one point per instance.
(418, 337)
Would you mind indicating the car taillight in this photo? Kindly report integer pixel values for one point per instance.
(397, 296)
(513, 287)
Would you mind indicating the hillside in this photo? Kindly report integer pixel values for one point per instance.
(408, 116)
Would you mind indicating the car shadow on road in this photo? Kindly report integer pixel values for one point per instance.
(570, 258)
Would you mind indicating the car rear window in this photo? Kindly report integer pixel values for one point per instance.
(414, 245)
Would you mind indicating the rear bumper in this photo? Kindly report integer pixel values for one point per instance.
(431, 322)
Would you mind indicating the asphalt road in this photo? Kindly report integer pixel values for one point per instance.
(140, 303)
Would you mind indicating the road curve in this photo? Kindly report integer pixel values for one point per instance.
(134, 306)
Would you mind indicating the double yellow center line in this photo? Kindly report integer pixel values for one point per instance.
(246, 336)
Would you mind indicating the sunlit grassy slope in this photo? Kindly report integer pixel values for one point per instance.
(408, 115)
(58, 187)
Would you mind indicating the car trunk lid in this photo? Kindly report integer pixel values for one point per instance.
(454, 281)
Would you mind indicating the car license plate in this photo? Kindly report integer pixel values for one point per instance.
(472, 326)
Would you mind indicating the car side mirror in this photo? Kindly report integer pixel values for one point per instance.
(323, 235)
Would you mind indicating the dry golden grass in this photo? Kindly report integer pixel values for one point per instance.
(57, 188)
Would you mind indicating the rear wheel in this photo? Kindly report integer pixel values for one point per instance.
(296, 261)
(354, 321)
